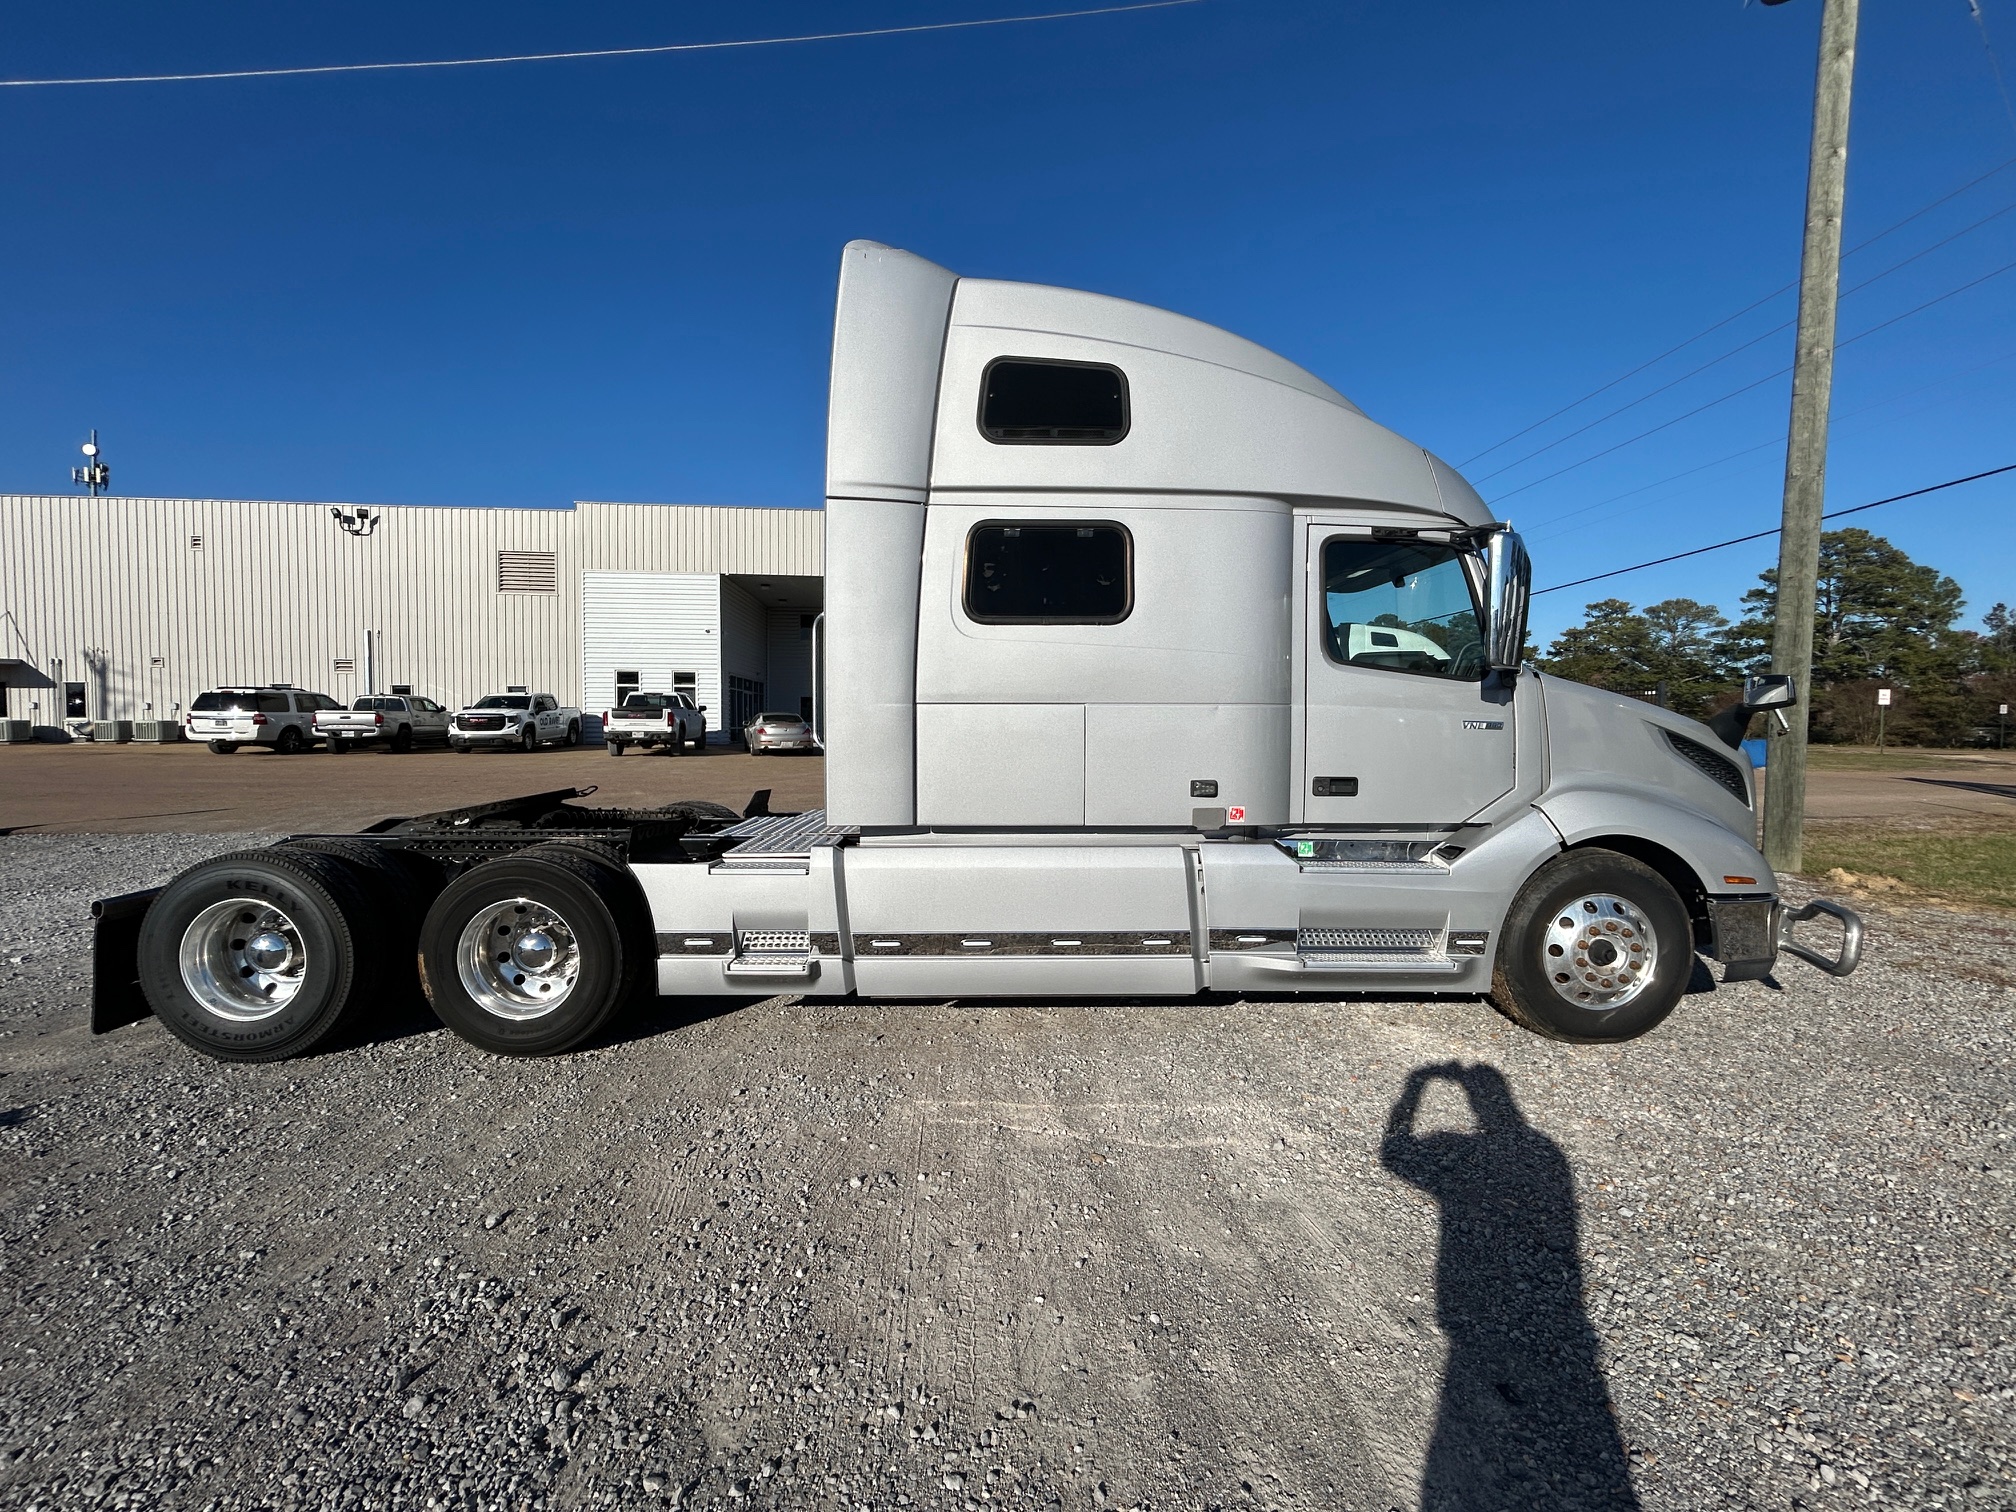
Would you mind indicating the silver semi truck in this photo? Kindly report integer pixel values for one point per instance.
(1150, 666)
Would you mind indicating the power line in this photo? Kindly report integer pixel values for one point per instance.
(1760, 535)
(599, 52)
(1733, 393)
(1744, 347)
(1899, 225)
(1769, 441)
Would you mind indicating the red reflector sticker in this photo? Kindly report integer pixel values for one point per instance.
(1235, 816)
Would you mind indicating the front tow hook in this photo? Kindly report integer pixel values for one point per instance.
(1851, 936)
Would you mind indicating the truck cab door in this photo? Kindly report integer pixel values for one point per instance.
(1403, 722)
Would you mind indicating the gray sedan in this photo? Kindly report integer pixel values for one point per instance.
(778, 732)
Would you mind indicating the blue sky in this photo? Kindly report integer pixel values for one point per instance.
(613, 279)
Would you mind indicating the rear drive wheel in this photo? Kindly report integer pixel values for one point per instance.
(530, 954)
(289, 741)
(222, 747)
(402, 739)
(405, 884)
(338, 745)
(573, 732)
(615, 747)
(1597, 948)
(260, 955)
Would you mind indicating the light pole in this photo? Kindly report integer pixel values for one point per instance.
(1806, 444)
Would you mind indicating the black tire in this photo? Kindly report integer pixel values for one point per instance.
(222, 747)
(528, 738)
(573, 732)
(337, 745)
(460, 747)
(402, 739)
(288, 743)
(332, 915)
(600, 903)
(615, 747)
(404, 882)
(1528, 987)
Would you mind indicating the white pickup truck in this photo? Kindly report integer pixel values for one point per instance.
(515, 720)
(670, 720)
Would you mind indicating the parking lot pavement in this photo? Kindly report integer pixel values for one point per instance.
(132, 789)
(1196, 1254)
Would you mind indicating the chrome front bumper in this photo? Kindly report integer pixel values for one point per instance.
(1747, 935)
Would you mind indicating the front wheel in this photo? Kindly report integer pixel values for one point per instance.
(530, 954)
(528, 739)
(1597, 948)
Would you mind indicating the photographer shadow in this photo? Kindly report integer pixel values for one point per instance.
(1525, 1420)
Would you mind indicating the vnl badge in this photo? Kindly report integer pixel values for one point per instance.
(1483, 724)
(1235, 816)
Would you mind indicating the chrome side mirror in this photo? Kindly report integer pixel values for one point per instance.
(1509, 588)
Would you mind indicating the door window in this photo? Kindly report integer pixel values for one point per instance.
(1401, 606)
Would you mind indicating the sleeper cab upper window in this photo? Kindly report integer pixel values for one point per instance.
(1032, 401)
(1062, 572)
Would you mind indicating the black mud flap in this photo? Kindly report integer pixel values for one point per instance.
(116, 997)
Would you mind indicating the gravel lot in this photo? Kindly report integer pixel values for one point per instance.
(1362, 1255)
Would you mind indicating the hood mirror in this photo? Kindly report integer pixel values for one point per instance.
(1774, 691)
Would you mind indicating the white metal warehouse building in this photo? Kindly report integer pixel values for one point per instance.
(125, 608)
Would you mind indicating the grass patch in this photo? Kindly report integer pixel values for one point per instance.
(1974, 865)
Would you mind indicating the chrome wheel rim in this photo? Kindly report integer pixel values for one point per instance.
(242, 959)
(1599, 951)
(518, 959)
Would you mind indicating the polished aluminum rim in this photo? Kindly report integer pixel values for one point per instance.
(1599, 952)
(242, 959)
(518, 959)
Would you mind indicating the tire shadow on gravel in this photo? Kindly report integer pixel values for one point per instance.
(1525, 1419)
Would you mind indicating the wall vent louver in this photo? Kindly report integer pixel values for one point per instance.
(528, 572)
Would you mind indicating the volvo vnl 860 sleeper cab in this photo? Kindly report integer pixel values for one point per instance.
(1150, 666)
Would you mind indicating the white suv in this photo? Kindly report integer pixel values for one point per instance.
(278, 715)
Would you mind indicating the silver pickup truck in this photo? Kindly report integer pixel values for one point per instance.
(397, 722)
(671, 720)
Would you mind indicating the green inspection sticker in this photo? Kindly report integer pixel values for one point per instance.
(1305, 847)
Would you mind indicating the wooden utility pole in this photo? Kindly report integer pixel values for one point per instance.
(1806, 446)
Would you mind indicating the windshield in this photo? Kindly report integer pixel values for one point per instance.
(648, 701)
(505, 701)
(1401, 606)
(218, 703)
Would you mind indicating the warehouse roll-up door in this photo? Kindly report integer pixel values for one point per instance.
(655, 629)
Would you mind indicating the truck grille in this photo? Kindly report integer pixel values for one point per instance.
(481, 721)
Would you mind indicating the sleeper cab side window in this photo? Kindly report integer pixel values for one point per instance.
(1030, 401)
(1065, 572)
(1401, 606)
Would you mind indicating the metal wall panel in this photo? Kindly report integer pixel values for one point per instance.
(654, 624)
(790, 658)
(111, 592)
